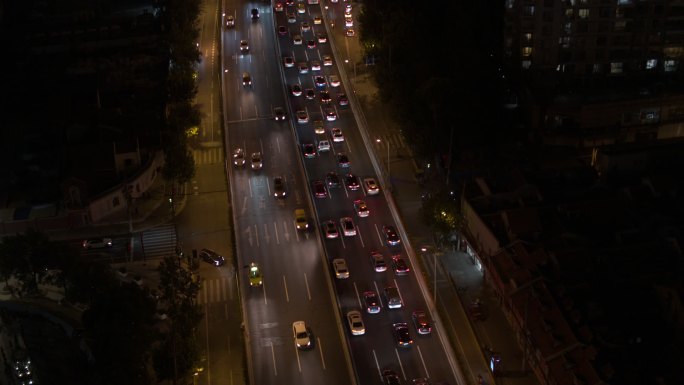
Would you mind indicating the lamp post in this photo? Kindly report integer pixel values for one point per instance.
(387, 184)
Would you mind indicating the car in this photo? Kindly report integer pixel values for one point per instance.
(347, 226)
(334, 81)
(255, 278)
(351, 181)
(311, 44)
(244, 46)
(210, 256)
(301, 221)
(371, 186)
(330, 230)
(340, 268)
(320, 191)
(230, 21)
(348, 11)
(421, 322)
(370, 299)
(97, 243)
(325, 97)
(347, 8)
(310, 94)
(327, 60)
(401, 334)
(315, 65)
(257, 163)
(246, 79)
(318, 127)
(291, 18)
(349, 32)
(348, 22)
(309, 150)
(323, 145)
(342, 100)
(296, 90)
(297, 40)
(301, 8)
(255, 14)
(378, 261)
(330, 115)
(337, 135)
(279, 187)
(317, 20)
(342, 160)
(399, 265)
(361, 209)
(282, 30)
(289, 2)
(302, 338)
(332, 179)
(355, 323)
(302, 116)
(420, 381)
(391, 235)
(320, 81)
(239, 157)
(279, 7)
(322, 38)
(303, 68)
(288, 61)
(305, 26)
(279, 113)
(390, 377)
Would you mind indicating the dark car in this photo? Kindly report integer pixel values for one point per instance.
(320, 81)
(378, 262)
(330, 230)
(210, 256)
(279, 187)
(309, 93)
(372, 303)
(421, 322)
(401, 334)
(319, 189)
(342, 99)
(342, 159)
(309, 150)
(390, 377)
(278, 113)
(97, 243)
(255, 14)
(332, 179)
(399, 265)
(325, 97)
(391, 235)
(352, 182)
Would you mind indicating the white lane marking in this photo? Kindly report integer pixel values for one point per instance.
(377, 291)
(358, 231)
(320, 350)
(297, 353)
(249, 181)
(287, 233)
(358, 296)
(398, 291)
(268, 187)
(261, 145)
(287, 295)
(241, 117)
(263, 289)
(378, 232)
(342, 239)
(275, 369)
(256, 234)
(427, 374)
(278, 144)
(306, 282)
(401, 366)
(377, 364)
(244, 201)
(256, 111)
(275, 230)
(266, 236)
(294, 224)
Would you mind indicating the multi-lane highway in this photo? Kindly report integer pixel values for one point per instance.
(294, 284)
(297, 272)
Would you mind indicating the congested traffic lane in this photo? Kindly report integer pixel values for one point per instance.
(293, 287)
(377, 350)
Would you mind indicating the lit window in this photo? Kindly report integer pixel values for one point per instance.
(583, 13)
(651, 64)
(649, 116)
(597, 68)
(616, 67)
(529, 10)
(527, 51)
(670, 65)
(528, 36)
(569, 12)
(526, 64)
(568, 27)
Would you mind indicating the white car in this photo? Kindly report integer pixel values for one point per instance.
(348, 22)
(323, 145)
(327, 60)
(305, 27)
(301, 335)
(317, 20)
(257, 162)
(302, 117)
(315, 65)
(348, 227)
(371, 186)
(334, 81)
(318, 127)
(288, 61)
(361, 208)
(337, 135)
(303, 68)
(355, 323)
(297, 40)
(340, 267)
(291, 18)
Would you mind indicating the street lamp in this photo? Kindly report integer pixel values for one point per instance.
(378, 141)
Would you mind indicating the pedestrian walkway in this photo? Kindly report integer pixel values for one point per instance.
(159, 241)
(216, 290)
(207, 155)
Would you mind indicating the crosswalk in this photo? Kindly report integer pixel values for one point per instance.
(159, 241)
(216, 290)
(275, 232)
(212, 155)
(394, 140)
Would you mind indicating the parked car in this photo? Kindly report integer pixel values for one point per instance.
(210, 256)
(97, 243)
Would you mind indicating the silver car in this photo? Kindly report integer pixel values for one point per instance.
(356, 323)
(340, 267)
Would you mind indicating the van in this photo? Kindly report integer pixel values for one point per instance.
(392, 297)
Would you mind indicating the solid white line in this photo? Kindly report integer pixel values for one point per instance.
(377, 291)
(249, 182)
(320, 350)
(377, 364)
(398, 291)
(401, 366)
(358, 296)
(342, 239)
(263, 289)
(287, 295)
(306, 282)
(378, 232)
(427, 374)
(346, 143)
(275, 369)
(275, 229)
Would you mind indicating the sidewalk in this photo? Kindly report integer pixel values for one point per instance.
(459, 281)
